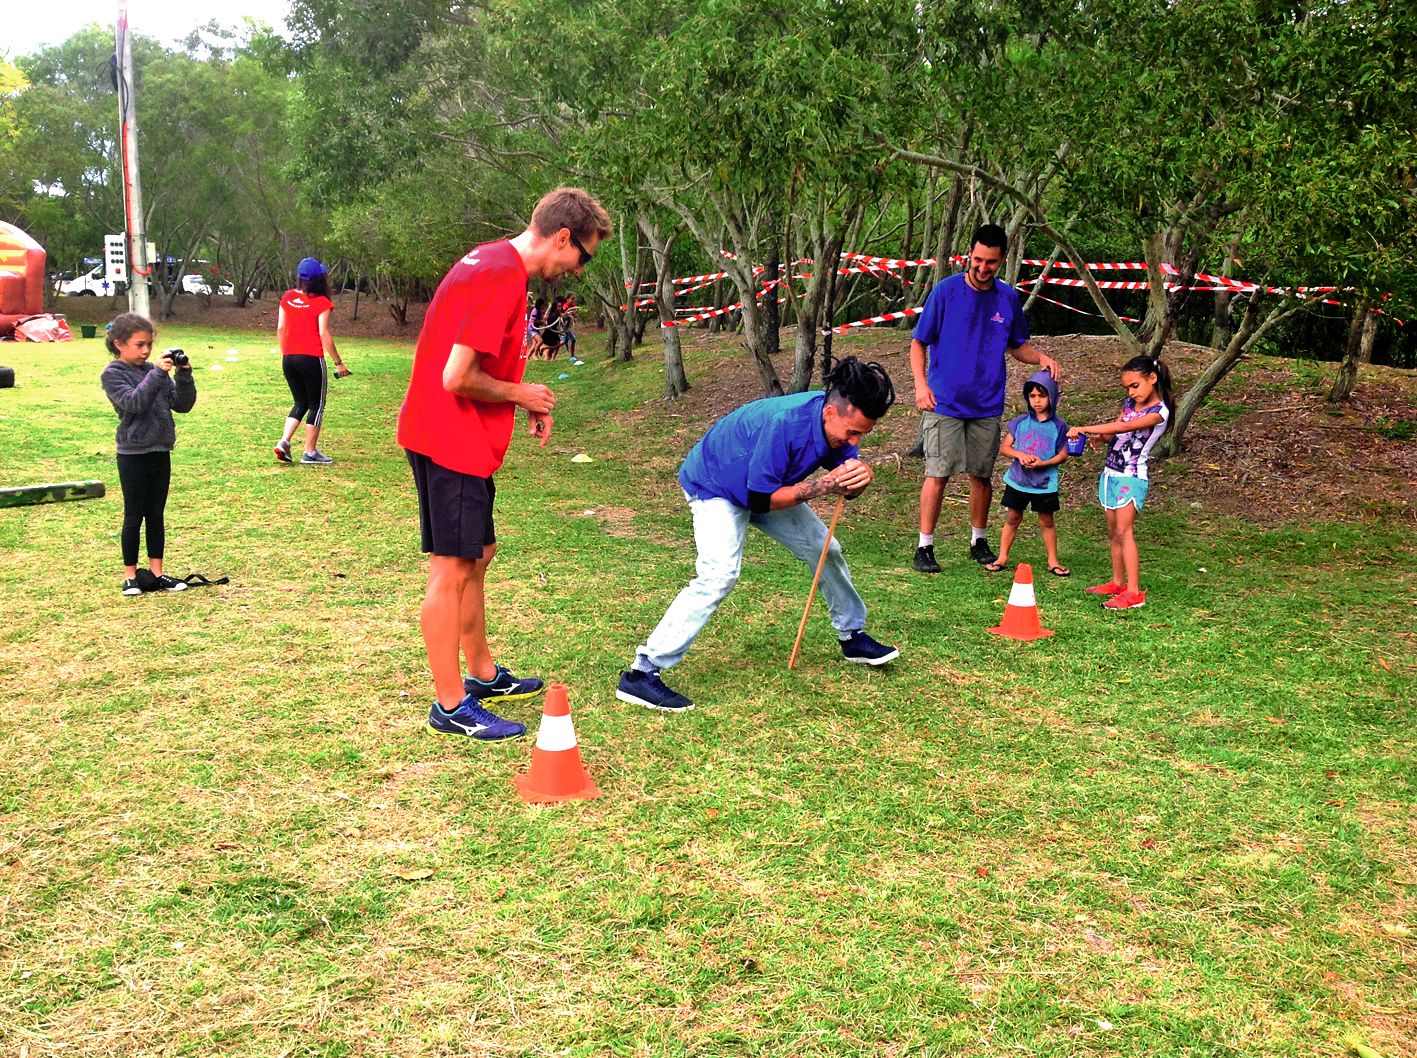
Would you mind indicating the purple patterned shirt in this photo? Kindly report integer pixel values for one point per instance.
(1129, 452)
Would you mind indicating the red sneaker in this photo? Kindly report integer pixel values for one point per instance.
(1110, 588)
(1126, 600)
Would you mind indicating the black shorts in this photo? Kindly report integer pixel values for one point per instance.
(1018, 500)
(454, 510)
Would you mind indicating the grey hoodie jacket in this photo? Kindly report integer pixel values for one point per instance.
(145, 399)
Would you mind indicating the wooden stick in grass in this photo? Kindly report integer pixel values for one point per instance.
(821, 562)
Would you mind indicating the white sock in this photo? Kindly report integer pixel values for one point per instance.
(977, 534)
(927, 539)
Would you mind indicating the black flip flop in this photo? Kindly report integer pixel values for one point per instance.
(1060, 571)
(995, 567)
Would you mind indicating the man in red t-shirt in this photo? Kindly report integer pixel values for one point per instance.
(456, 424)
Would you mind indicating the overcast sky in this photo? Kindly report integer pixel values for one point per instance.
(28, 25)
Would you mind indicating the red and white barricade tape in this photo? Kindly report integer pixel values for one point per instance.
(871, 321)
(702, 316)
(864, 264)
(1083, 312)
(1109, 266)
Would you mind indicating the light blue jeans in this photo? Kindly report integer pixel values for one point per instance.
(720, 528)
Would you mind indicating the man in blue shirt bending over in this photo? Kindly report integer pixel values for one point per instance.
(970, 321)
(751, 468)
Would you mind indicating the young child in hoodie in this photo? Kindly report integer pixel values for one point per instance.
(145, 390)
(1037, 444)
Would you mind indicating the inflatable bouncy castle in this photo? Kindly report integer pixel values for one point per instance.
(21, 276)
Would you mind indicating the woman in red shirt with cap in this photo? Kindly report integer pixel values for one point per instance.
(303, 332)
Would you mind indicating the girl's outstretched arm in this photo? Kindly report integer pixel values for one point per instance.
(1116, 426)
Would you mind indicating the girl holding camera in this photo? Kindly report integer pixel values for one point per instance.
(145, 391)
(303, 333)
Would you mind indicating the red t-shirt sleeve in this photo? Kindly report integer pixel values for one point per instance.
(494, 296)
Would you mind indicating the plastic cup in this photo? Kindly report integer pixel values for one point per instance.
(1076, 445)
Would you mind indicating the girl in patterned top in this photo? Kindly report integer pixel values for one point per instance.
(1122, 488)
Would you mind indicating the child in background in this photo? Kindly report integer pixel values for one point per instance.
(550, 327)
(1037, 444)
(145, 392)
(568, 314)
(1123, 486)
(305, 339)
(534, 320)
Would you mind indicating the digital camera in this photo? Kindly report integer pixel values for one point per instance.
(178, 357)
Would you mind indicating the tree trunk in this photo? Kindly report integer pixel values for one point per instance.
(623, 331)
(1213, 374)
(1220, 332)
(1222, 327)
(676, 383)
(1252, 329)
(828, 317)
(772, 272)
(1153, 328)
(811, 317)
(1359, 350)
(740, 271)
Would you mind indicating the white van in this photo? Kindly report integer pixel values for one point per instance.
(91, 284)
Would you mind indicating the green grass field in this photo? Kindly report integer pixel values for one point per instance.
(1183, 831)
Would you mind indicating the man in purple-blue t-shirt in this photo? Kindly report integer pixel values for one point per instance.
(752, 468)
(970, 320)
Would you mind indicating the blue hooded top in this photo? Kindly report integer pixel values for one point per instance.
(1044, 439)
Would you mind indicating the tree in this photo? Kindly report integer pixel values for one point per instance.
(1288, 119)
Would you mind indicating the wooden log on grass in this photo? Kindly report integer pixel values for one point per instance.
(68, 490)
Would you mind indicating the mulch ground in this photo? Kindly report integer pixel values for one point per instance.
(1267, 448)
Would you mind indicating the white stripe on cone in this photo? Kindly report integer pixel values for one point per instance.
(1022, 595)
(556, 734)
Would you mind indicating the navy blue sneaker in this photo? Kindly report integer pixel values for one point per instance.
(648, 690)
(470, 719)
(861, 649)
(504, 686)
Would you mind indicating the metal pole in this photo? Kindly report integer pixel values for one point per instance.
(139, 267)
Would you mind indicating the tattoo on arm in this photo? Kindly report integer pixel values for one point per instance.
(810, 490)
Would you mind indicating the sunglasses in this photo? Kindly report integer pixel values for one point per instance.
(586, 255)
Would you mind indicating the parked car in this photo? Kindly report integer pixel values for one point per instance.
(195, 283)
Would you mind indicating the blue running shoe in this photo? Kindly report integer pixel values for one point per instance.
(470, 719)
(861, 649)
(504, 686)
(648, 690)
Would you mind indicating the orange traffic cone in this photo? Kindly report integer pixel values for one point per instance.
(557, 773)
(1021, 614)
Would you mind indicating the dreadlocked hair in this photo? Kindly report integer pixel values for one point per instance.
(866, 387)
(1154, 365)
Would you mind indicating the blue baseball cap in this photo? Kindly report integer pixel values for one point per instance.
(309, 268)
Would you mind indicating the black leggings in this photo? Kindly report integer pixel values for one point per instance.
(145, 479)
(305, 375)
